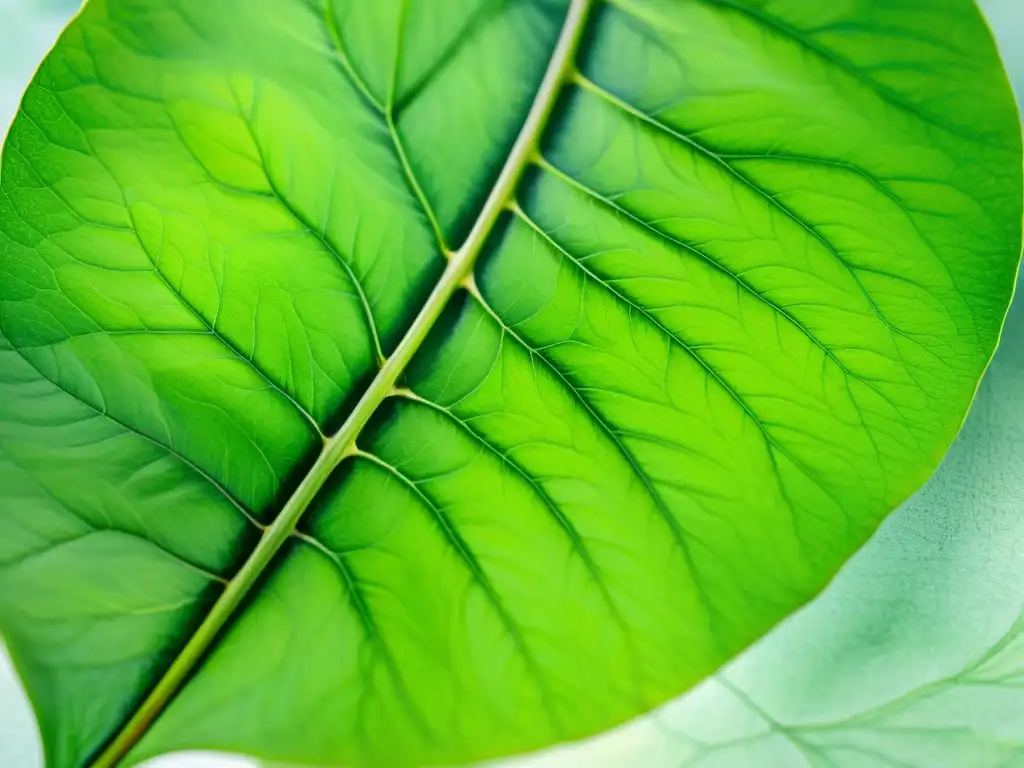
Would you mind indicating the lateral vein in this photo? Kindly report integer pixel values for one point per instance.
(343, 443)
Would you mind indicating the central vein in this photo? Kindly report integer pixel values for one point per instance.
(458, 273)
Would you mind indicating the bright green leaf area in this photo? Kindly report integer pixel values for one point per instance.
(913, 657)
(418, 381)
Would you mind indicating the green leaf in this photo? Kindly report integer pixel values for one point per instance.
(913, 656)
(416, 382)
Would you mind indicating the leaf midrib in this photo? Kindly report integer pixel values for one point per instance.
(457, 274)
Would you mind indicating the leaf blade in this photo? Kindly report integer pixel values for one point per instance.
(634, 359)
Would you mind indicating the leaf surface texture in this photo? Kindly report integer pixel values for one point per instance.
(381, 381)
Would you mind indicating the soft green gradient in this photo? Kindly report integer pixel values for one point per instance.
(731, 319)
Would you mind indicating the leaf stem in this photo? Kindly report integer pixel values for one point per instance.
(343, 443)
